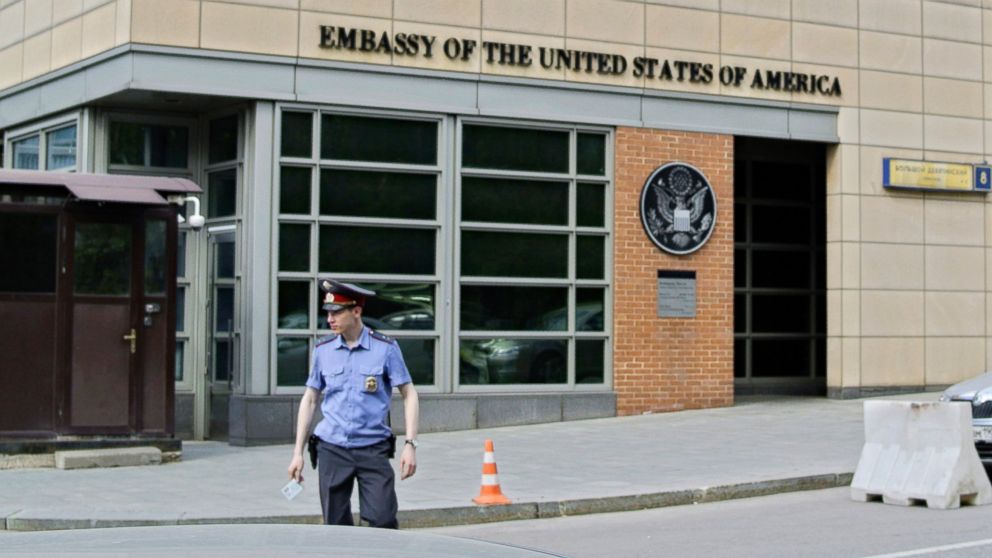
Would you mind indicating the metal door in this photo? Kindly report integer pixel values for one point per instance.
(222, 325)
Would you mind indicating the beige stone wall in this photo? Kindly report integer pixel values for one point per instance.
(909, 273)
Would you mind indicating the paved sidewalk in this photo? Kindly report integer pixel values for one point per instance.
(547, 470)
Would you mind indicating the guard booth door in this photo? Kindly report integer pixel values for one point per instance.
(115, 297)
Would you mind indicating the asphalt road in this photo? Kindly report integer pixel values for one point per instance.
(809, 524)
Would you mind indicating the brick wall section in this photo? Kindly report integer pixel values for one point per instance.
(673, 363)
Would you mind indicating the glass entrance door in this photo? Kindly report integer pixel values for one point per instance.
(223, 331)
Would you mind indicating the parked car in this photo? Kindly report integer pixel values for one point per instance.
(978, 393)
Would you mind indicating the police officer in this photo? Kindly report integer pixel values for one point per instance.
(356, 369)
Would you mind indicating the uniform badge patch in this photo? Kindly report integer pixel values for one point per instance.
(371, 384)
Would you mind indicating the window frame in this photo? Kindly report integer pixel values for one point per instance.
(41, 130)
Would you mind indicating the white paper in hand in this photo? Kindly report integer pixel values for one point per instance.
(292, 489)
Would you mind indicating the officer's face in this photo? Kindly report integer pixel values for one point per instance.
(345, 319)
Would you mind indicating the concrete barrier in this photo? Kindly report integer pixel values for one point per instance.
(920, 452)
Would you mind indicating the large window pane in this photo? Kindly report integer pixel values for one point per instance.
(514, 201)
(419, 357)
(294, 305)
(28, 245)
(61, 148)
(222, 360)
(225, 260)
(294, 247)
(522, 149)
(780, 269)
(774, 358)
(223, 144)
(513, 361)
(294, 190)
(514, 254)
(400, 306)
(378, 194)
(223, 188)
(589, 307)
(102, 259)
(155, 261)
(180, 309)
(297, 134)
(180, 358)
(363, 138)
(181, 255)
(591, 154)
(590, 361)
(292, 361)
(376, 250)
(781, 224)
(514, 308)
(26, 153)
(590, 257)
(780, 314)
(149, 145)
(590, 205)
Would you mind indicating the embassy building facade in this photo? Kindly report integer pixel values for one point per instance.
(569, 208)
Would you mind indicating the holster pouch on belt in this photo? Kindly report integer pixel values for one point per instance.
(312, 443)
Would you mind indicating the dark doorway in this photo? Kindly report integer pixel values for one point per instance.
(779, 267)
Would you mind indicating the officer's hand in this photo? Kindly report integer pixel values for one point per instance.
(296, 468)
(408, 462)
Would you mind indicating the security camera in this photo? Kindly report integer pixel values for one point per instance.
(195, 220)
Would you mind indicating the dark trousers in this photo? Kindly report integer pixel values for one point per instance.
(339, 467)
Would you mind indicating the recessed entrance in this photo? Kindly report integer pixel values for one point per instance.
(779, 267)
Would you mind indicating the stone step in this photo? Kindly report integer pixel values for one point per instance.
(112, 457)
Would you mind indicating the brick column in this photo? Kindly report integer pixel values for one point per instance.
(672, 363)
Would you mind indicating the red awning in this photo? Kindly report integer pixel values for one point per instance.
(117, 188)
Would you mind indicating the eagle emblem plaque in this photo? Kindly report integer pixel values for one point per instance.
(678, 208)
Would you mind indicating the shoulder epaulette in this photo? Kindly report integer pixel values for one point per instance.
(381, 337)
(324, 340)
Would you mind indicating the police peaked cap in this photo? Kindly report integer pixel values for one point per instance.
(339, 295)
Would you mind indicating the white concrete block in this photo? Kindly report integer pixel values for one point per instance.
(918, 452)
(114, 457)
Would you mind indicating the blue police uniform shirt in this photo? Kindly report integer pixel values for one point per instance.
(354, 416)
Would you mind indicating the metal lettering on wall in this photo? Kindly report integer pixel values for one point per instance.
(389, 45)
(678, 208)
(676, 294)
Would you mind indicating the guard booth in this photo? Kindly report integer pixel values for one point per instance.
(87, 310)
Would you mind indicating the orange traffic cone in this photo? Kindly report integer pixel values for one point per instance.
(490, 494)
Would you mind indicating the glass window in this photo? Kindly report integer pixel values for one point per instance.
(589, 309)
(378, 194)
(222, 360)
(780, 313)
(521, 149)
(385, 140)
(181, 255)
(590, 361)
(292, 361)
(60, 151)
(225, 309)
(400, 306)
(180, 308)
(155, 260)
(513, 361)
(149, 145)
(589, 256)
(508, 254)
(26, 153)
(180, 358)
(419, 357)
(294, 305)
(294, 190)
(514, 201)
(393, 250)
(780, 269)
(294, 247)
(225, 259)
(591, 154)
(590, 205)
(297, 134)
(223, 189)
(28, 244)
(102, 259)
(223, 141)
(514, 308)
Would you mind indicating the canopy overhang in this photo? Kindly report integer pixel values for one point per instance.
(114, 188)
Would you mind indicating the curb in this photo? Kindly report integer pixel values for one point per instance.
(468, 515)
